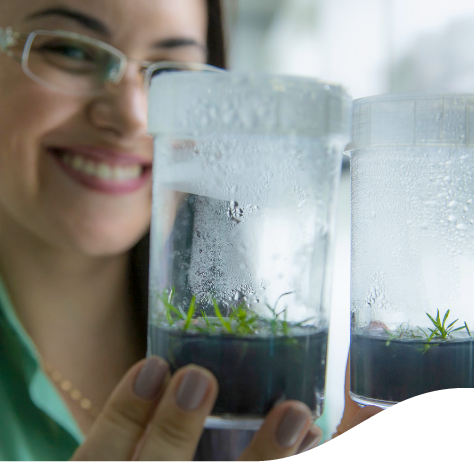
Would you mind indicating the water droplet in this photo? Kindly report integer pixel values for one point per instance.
(235, 212)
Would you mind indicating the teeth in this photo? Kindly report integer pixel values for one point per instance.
(101, 170)
(104, 171)
(77, 162)
(89, 168)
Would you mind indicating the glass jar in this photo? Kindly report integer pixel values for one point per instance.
(246, 174)
(412, 291)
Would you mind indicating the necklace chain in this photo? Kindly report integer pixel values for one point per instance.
(67, 387)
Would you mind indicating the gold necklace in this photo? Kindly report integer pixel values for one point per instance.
(65, 385)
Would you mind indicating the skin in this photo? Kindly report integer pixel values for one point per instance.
(69, 245)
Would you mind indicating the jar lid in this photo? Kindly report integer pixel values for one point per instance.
(413, 120)
(201, 103)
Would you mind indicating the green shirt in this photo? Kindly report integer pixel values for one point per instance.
(35, 423)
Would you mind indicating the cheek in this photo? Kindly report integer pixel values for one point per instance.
(29, 111)
(33, 109)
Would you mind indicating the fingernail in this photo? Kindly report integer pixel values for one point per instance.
(311, 440)
(291, 426)
(150, 378)
(192, 389)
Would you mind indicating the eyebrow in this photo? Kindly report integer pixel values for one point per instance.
(97, 26)
(83, 19)
(171, 43)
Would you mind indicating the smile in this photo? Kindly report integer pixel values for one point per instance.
(103, 171)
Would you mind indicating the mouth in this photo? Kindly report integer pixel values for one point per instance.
(104, 171)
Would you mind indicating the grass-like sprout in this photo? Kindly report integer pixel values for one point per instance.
(441, 331)
(189, 317)
(170, 309)
(276, 324)
(402, 332)
(245, 320)
(240, 322)
(210, 328)
(225, 323)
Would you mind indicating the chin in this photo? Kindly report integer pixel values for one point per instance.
(100, 243)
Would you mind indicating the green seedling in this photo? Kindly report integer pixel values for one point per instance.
(279, 326)
(240, 322)
(401, 332)
(224, 323)
(167, 299)
(441, 331)
(189, 317)
(244, 319)
(210, 328)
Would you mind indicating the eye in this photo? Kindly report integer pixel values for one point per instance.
(69, 51)
(70, 55)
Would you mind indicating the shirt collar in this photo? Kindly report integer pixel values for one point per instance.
(42, 391)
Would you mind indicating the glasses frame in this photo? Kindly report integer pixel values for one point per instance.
(9, 38)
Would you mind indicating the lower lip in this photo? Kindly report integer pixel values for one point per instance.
(112, 187)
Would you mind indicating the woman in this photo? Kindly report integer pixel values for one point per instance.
(75, 199)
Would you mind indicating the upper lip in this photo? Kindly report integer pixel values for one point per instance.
(107, 155)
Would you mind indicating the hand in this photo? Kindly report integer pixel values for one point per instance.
(152, 415)
(353, 414)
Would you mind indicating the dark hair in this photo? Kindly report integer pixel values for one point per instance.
(139, 256)
(215, 34)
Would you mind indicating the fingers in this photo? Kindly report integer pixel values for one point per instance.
(123, 421)
(311, 440)
(283, 433)
(178, 421)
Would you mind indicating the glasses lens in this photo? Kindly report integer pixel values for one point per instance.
(71, 64)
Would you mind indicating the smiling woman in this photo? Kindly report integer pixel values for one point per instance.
(74, 199)
(75, 206)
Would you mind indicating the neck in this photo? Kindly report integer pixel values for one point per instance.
(62, 297)
(76, 309)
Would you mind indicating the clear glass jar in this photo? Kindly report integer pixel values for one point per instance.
(246, 173)
(412, 291)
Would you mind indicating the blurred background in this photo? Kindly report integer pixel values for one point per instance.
(371, 47)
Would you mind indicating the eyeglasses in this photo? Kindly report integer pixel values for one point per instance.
(77, 64)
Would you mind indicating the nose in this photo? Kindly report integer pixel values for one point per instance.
(121, 110)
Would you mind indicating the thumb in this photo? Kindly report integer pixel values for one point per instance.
(121, 425)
